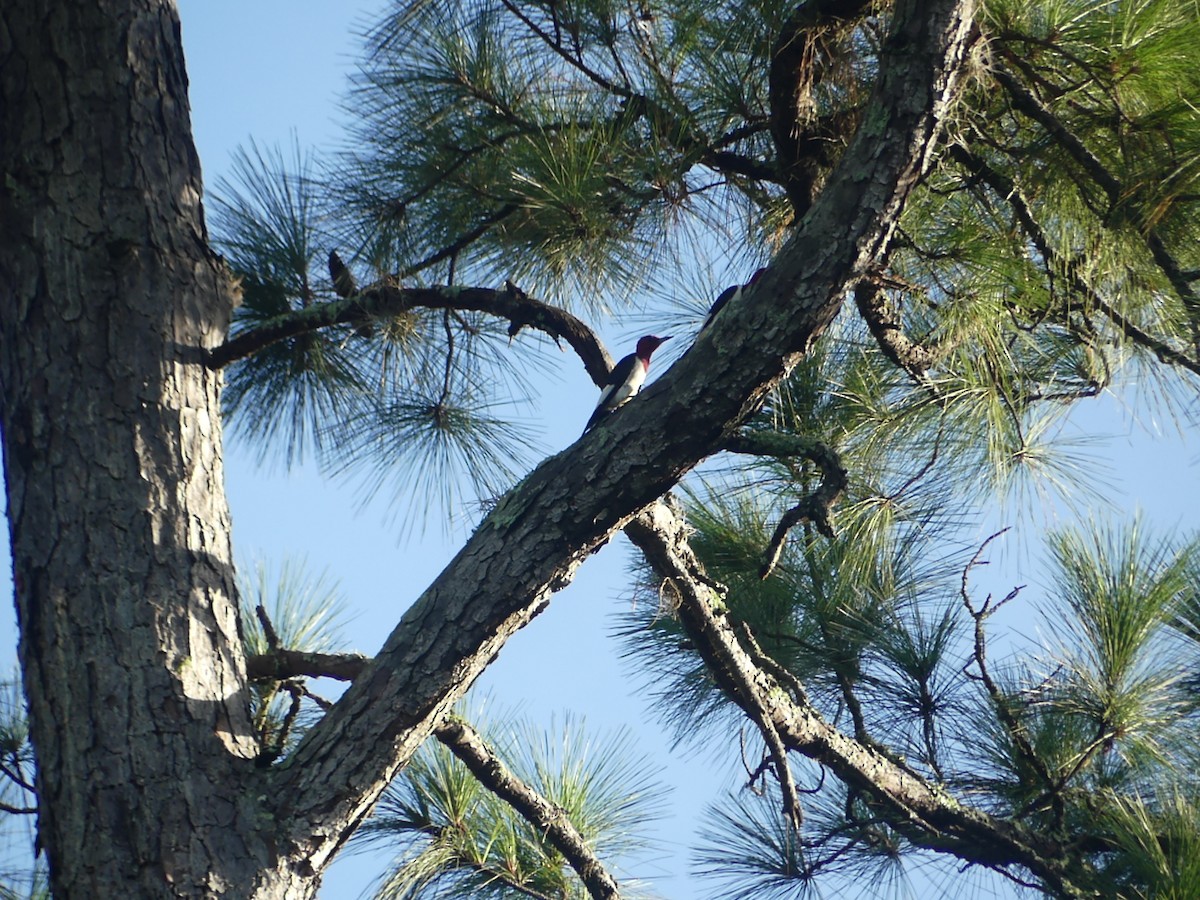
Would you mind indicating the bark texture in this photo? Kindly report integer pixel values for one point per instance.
(112, 440)
(112, 450)
(573, 502)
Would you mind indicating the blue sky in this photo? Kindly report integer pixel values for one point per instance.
(276, 71)
(280, 73)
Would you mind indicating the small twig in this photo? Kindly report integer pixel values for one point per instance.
(449, 358)
(813, 508)
(268, 629)
(464, 241)
(1012, 725)
(16, 776)
(752, 775)
(820, 783)
(937, 444)
(321, 702)
(807, 510)
(783, 770)
(289, 719)
(275, 750)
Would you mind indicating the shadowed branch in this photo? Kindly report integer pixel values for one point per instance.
(386, 301)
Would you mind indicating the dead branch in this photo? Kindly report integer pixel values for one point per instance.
(280, 664)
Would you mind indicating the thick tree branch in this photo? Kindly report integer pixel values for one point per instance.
(929, 816)
(281, 664)
(386, 301)
(465, 743)
(537, 535)
(885, 327)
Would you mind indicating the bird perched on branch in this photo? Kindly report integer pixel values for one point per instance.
(626, 378)
(733, 292)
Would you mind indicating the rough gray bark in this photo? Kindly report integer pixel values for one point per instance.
(112, 452)
(575, 501)
(129, 638)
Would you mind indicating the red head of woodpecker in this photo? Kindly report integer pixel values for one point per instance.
(733, 292)
(626, 378)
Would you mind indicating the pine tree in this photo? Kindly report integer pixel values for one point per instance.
(1006, 193)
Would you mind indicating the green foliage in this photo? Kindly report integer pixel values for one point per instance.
(602, 154)
(403, 403)
(748, 850)
(574, 130)
(19, 879)
(1157, 845)
(1122, 591)
(266, 222)
(306, 614)
(455, 838)
(1109, 725)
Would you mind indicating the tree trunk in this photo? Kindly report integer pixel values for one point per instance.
(112, 439)
(129, 636)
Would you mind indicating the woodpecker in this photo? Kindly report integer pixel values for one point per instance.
(626, 378)
(733, 292)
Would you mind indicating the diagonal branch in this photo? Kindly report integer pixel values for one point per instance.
(927, 815)
(465, 240)
(466, 743)
(884, 325)
(1011, 193)
(1028, 103)
(535, 538)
